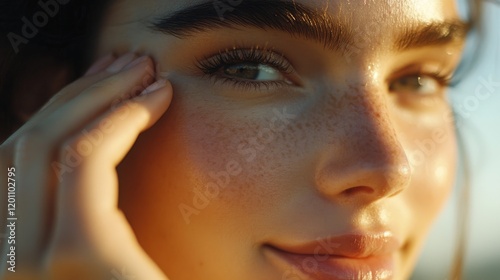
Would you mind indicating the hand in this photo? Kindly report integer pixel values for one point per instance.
(66, 190)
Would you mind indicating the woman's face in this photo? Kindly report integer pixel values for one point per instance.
(306, 140)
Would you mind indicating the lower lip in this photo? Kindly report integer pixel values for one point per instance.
(335, 267)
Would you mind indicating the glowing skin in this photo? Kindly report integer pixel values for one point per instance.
(334, 152)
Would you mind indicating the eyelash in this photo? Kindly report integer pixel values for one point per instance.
(444, 80)
(210, 66)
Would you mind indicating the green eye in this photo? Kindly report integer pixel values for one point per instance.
(252, 71)
(418, 84)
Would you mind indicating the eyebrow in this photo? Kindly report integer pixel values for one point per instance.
(432, 34)
(299, 20)
(293, 18)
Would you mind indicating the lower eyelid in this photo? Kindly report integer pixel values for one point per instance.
(242, 55)
(249, 85)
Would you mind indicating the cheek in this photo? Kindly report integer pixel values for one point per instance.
(432, 153)
(232, 158)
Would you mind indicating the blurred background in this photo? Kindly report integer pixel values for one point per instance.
(480, 128)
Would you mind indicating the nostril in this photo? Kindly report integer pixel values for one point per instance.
(358, 190)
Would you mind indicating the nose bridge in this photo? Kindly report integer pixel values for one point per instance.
(363, 116)
(364, 157)
(373, 134)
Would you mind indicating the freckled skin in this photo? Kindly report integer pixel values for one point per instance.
(347, 156)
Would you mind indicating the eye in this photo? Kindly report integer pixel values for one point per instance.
(248, 67)
(431, 84)
(253, 72)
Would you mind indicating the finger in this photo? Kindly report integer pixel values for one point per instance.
(35, 151)
(75, 88)
(100, 65)
(99, 97)
(87, 199)
(33, 207)
(103, 68)
(30, 236)
(84, 186)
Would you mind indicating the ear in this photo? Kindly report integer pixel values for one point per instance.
(36, 82)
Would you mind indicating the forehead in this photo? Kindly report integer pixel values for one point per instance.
(357, 11)
(374, 23)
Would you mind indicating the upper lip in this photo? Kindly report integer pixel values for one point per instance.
(352, 245)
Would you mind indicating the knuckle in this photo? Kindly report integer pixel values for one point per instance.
(35, 132)
(32, 139)
(136, 81)
(71, 143)
(106, 86)
(99, 85)
(79, 151)
(149, 69)
(76, 148)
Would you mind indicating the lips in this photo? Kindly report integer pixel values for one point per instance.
(351, 256)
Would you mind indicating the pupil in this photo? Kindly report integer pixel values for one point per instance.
(244, 71)
(415, 82)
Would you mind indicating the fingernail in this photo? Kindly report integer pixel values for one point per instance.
(155, 86)
(100, 64)
(136, 62)
(121, 62)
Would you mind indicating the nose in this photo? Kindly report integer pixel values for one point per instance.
(362, 159)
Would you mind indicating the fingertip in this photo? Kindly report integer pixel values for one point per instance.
(121, 62)
(137, 61)
(159, 84)
(157, 99)
(101, 64)
(168, 90)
